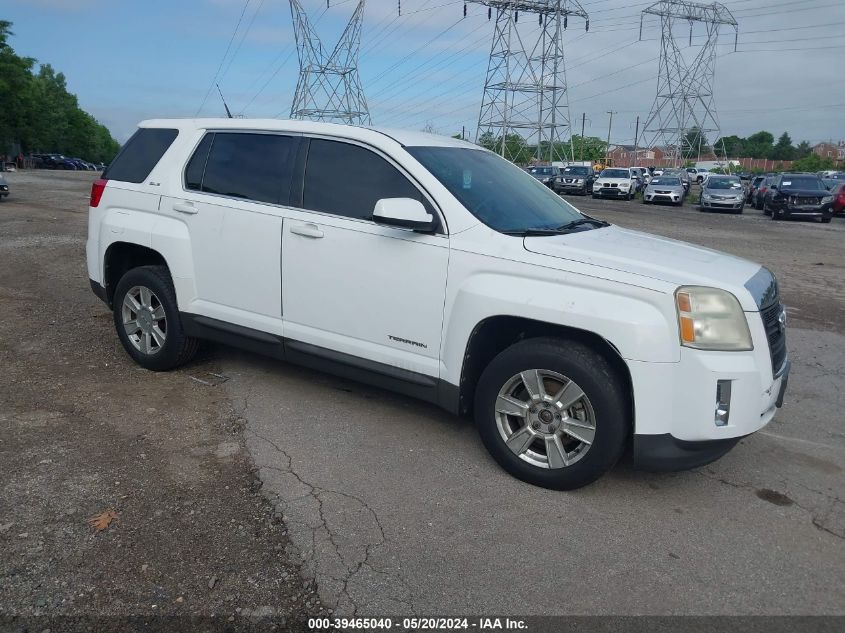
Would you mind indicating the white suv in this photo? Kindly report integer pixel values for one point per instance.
(435, 268)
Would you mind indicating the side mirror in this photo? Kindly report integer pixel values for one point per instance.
(405, 213)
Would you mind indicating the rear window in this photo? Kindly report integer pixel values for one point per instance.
(140, 154)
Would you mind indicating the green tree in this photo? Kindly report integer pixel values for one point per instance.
(694, 143)
(592, 148)
(813, 162)
(783, 149)
(760, 144)
(804, 149)
(733, 146)
(38, 112)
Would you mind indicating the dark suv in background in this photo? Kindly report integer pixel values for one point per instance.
(546, 174)
(575, 179)
(798, 196)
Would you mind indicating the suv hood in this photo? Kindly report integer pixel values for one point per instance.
(660, 258)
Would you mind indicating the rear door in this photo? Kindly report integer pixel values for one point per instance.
(233, 198)
(351, 285)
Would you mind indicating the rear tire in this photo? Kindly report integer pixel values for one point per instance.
(146, 317)
(568, 440)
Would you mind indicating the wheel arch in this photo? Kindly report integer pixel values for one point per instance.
(494, 334)
(121, 257)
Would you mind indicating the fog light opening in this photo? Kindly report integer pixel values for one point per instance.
(723, 402)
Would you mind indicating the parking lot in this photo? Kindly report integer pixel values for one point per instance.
(244, 485)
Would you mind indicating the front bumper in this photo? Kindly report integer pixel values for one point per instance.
(723, 204)
(662, 197)
(611, 192)
(665, 452)
(805, 211)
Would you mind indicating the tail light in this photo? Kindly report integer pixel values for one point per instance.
(97, 189)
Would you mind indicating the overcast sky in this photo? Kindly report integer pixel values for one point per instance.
(131, 60)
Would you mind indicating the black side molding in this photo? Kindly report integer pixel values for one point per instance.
(330, 361)
(666, 453)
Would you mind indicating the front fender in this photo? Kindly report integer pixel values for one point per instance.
(638, 322)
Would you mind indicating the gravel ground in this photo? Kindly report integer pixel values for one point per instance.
(83, 431)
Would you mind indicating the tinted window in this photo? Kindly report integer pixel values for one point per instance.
(140, 154)
(196, 166)
(616, 173)
(577, 171)
(348, 180)
(668, 181)
(250, 166)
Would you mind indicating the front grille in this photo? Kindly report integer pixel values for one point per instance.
(775, 333)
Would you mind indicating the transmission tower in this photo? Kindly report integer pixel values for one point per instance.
(329, 88)
(684, 101)
(525, 102)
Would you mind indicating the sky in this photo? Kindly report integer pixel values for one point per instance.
(128, 61)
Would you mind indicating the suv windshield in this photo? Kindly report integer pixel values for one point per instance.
(802, 182)
(577, 171)
(723, 182)
(615, 173)
(541, 171)
(495, 191)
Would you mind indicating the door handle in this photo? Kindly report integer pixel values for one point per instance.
(185, 207)
(307, 230)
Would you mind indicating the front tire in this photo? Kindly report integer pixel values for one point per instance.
(146, 317)
(552, 413)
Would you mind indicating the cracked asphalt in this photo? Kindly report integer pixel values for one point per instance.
(247, 486)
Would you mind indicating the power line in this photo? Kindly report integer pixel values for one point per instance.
(228, 46)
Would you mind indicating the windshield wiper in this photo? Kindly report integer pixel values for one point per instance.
(581, 222)
(532, 232)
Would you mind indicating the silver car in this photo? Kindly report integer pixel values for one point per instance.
(720, 192)
(664, 189)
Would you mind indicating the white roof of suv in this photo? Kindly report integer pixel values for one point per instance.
(404, 137)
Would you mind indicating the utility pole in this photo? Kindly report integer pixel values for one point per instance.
(607, 148)
(525, 95)
(636, 145)
(583, 118)
(684, 97)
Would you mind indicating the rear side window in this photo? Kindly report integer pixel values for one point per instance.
(348, 180)
(140, 154)
(244, 165)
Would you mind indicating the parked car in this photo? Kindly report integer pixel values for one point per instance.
(682, 174)
(547, 174)
(752, 187)
(575, 179)
(699, 174)
(568, 339)
(720, 192)
(57, 161)
(664, 189)
(760, 192)
(798, 195)
(837, 207)
(4, 187)
(615, 182)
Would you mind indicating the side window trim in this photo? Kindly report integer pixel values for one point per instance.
(442, 227)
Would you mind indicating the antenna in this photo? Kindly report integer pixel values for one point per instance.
(228, 114)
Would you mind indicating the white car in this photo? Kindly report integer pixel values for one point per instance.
(438, 269)
(615, 182)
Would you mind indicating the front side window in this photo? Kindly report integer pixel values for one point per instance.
(348, 180)
(495, 191)
(244, 165)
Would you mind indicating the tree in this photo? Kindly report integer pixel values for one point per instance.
(760, 144)
(804, 149)
(733, 146)
(694, 143)
(783, 150)
(38, 112)
(812, 162)
(592, 148)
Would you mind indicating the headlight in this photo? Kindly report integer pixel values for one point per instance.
(624, 185)
(706, 196)
(827, 199)
(711, 319)
(578, 181)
